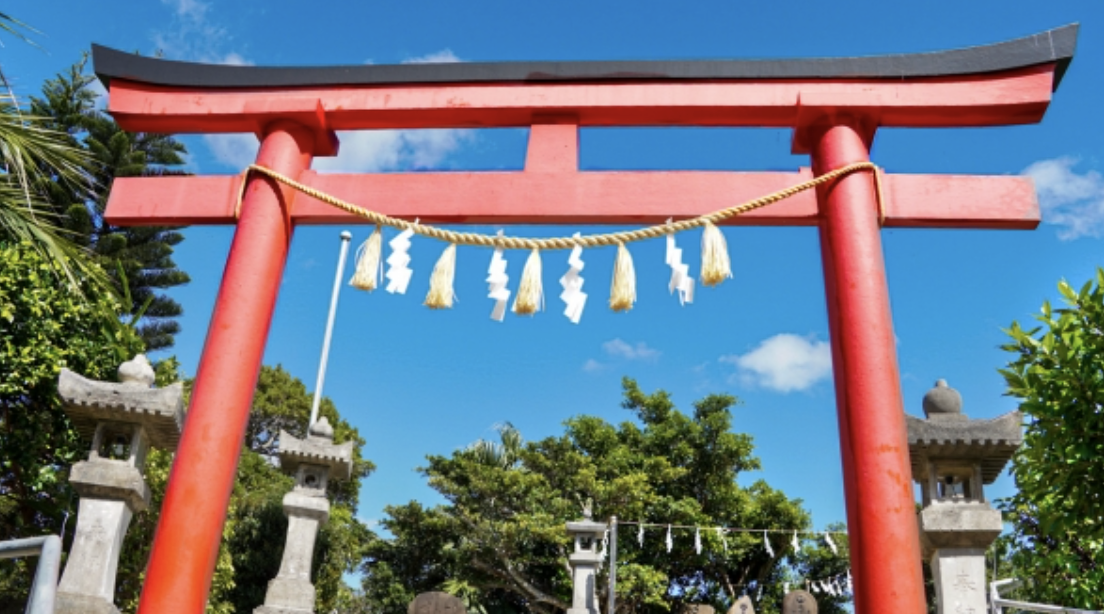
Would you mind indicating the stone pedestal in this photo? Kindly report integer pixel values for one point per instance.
(123, 421)
(111, 492)
(436, 602)
(312, 461)
(959, 577)
(952, 458)
(743, 605)
(291, 590)
(800, 602)
(584, 562)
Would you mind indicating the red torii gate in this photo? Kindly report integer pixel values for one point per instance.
(833, 105)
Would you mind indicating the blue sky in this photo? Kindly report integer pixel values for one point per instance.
(418, 382)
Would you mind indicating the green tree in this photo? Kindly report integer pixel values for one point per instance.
(139, 257)
(44, 326)
(500, 541)
(1057, 371)
(253, 540)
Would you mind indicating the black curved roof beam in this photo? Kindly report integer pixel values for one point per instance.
(1052, 46)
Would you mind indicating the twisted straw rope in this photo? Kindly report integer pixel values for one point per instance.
(599, 240)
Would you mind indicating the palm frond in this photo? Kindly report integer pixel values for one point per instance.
(37, 227)
(30, 157)
(12, 26)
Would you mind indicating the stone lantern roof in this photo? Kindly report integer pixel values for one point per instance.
(317, 449)
(160, 411)
(586, 526)
(947, 433)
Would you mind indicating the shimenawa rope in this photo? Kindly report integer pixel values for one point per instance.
(586, 241)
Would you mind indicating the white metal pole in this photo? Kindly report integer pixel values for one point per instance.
(611, 602)
(345, 237)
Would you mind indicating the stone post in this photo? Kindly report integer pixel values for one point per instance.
(122, 421)
(313, 461)
(952, 457)
(584, 563)
(801, 602)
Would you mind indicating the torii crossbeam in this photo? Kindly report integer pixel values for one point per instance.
(833, 105)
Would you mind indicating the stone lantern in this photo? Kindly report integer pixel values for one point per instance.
(313, 462)
(584, 562)
(122, 421)
(953, 457)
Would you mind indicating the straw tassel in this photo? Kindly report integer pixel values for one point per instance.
(368, 266)
(623, 289)
(716, 266)
(530, 295)
(441, 293)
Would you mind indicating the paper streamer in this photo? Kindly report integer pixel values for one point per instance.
(497, 280)
(697, 540)
(640, 535)
(724, 540)
(831, 544)
(670, 542)
(680, 273)
(785, 588)
(398, 273)
(795, 543)
(573, 295)
(759, 593)
(850, 585)
(766, 542)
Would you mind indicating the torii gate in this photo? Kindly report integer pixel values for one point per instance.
(833, 105)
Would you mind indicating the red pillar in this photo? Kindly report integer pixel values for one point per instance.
(885, 546)
(186, 544)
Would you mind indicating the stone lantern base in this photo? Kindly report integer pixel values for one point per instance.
(70, 603)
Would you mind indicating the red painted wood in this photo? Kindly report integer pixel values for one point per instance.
(886, 553)
(539, 197)
(186, 544)
(553, 148)
(1011, 97)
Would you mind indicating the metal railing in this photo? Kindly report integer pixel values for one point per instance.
(998, 603)
(44, 588)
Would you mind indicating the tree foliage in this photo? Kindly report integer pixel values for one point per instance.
(500, 540)
(253, 538)
(1057, 370)
(138, 259)
(44, 326)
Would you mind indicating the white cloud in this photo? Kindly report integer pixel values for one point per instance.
(784, 362)
(362, 151)
(188, 9)
(444, 56)
(235, 59)
(1074, 201)
(593, 366)
(194, 37)
(621, 349)
(366, 151)
(100, 91)
(234, 150)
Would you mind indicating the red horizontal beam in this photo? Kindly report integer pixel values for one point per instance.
(932, 201)
(1012, 97)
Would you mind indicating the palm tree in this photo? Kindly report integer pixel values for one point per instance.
(32, 156)
(504, 454)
